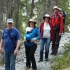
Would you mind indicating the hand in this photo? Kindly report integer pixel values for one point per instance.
(0, 49)
(60, 34)
(16, 52)
(32, 41)
(25, 40)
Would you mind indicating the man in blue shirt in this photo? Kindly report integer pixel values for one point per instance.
(11, 40)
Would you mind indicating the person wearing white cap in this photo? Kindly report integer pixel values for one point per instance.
(60, 11)
(31, 37)
(46, 35)
(11, 40)
(64, 17)
(57, 21)
(55, 7)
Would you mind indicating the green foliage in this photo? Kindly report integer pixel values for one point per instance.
(25, 7)
(64, 4)
(1, 62)
(63, 61)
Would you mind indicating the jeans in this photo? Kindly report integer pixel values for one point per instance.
(9, 60)
(29, 51)
(44, 42)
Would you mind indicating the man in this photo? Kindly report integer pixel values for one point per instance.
(57, 21)
(63, 15)
(11, 40)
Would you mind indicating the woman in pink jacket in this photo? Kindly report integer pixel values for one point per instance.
(46, 35)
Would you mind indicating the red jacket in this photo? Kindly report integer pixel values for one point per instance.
(54, 20)
(51, 31)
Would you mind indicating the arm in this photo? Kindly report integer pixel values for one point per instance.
(2, 39)
(37, 37)
(61, 24)
(1, 45)
(25, 37)
(38, 34)
(52, 33)
(18, 43)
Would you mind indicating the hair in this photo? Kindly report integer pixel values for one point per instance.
(29, 23)
(46, 17)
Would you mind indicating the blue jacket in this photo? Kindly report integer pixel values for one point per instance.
(35, 35)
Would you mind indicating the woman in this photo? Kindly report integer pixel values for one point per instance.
(46, 32)
(30, 39)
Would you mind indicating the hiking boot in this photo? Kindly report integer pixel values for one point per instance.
(34, 69)
(40, 60)
(46, 59)
(55, 54)
(26, 68)
(52, 53)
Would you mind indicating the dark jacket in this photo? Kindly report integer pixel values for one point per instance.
(51, 31)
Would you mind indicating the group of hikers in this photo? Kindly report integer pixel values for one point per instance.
(50, 30)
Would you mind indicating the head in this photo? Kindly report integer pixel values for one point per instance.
(55, 9)
(46, 18)
(9, 23)
(60, 10)
(31, 23)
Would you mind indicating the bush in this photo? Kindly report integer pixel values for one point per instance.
(63, 61)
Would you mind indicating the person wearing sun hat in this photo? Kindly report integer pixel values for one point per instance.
(46, 35)
(55, 7)
(31, 37)
(11, 40)
(56, 20)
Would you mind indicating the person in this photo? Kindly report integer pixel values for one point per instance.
(30, 41)
(63, 15)
(46, 35)
(57, 21)
(10, 35)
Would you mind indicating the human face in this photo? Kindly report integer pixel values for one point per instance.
(31, 24)
(9, 25)
(46, 19)
(55, 11)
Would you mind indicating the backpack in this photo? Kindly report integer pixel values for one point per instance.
(63, 14)
(30, 35)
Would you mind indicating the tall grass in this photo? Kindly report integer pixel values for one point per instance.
(62, 62)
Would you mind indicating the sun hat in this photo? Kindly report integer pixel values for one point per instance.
(46, 16)
(55, 7)
(32, 20)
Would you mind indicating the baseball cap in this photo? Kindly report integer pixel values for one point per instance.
(10, 20)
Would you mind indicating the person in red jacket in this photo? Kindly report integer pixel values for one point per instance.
(56, 20)
(46, 35)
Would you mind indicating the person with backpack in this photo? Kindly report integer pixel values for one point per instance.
(63, 15)
(11, 40)
(30, 41)
(46, 35)
(56, 20)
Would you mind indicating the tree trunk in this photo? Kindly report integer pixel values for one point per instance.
(32, 7)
